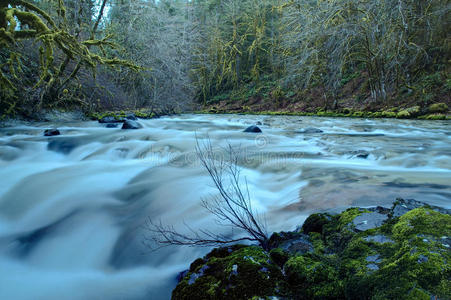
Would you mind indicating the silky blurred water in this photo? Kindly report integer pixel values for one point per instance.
(72, 207)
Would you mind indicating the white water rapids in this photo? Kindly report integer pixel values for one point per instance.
(72, 206)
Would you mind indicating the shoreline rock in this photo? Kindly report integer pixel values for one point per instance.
(362, 253)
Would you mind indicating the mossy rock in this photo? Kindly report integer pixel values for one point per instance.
(377, 114)
(346, 111)
(315, 223)
(243, 273)
(434, 117)
(410, 112)
(340, 230)
(415, 265)
(358, 114)
(312, 278)
(406, 257)
(279, 256)
(388, 114)
(438, 108)
(121, 115)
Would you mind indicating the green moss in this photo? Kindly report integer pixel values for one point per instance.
(143, 114)
(238, 272)
(318, 243)
(313, 279)
(418, 258)
(346, 217)
(358, 114)
(388, 114)
(409, 112)
(344, 263)
(434, 117)
(424, 221)
(376, 114)
(315, 223)
(438, 108)
(279, 256)
(403, 114)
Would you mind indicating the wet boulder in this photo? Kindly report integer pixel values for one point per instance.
(253, 128)
(130, 124)
(51, 132)
(111, 125)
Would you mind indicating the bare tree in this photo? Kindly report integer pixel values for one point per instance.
(232, 207)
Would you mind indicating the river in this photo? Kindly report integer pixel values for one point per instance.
(72, 207)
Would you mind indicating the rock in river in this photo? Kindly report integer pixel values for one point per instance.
(130, 124)
(51, 132)
(253, 128)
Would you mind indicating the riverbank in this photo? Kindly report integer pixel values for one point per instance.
(437, 111)
(400, 252)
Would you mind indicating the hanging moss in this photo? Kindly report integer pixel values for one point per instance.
(43, 29)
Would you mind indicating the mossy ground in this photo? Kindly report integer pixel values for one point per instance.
(410, 260)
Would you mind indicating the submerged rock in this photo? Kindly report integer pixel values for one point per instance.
(111, 125)
(310, 130)
(62, 145)
(130, 124)
(51, 132)
(360, 154)
(253, 128)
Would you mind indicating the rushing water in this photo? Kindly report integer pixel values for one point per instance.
(72, 207)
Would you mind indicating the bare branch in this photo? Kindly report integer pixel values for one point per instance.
(231, 208)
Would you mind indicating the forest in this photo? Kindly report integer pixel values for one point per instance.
(224, 55)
